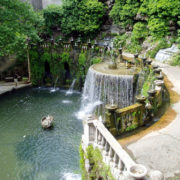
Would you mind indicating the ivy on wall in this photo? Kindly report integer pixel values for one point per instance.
(97, 168)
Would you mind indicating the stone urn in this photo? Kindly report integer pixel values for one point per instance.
(137, 171)
(136, 55)
(111, 107)
(149, 62)
(152, 92)
(144, 60)
(160, 77)
(159, 83)
(157, 71)
(141, 99)
(155, 66)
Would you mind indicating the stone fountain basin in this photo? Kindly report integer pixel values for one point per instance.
(137, 171)
(103, 68)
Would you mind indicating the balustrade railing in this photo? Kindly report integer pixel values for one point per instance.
(119, 161)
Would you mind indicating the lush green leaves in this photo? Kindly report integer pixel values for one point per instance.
(17, 22)
(140, 32)
(74, 17)
(158, 14)
(124, 11)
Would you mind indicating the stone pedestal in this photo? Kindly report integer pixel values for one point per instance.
(110, 118)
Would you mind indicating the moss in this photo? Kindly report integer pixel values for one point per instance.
(82, 163)
(175, 61)
(148, 82)
(132, 127)
(98, 168)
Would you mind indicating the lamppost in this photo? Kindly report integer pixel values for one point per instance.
(28, 58)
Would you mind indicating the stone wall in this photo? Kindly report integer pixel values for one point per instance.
(122, 120)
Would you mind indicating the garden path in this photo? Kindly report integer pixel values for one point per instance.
(160, 149)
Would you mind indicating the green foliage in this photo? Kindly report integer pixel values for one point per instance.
(158, 27)
(96, 60)
(157, 14)
(65, 57)
(123, 12)
(37, 68)
(74, 16)
(147, 84)
(133, 47)
(52, 15)
(82, 163)
(120, 40)
(98, 168)
(82, 59)
(140, 32)
(18, 21)
(132, 127)
(37, 64)
(178, 39)
(161, 44)
(160, 13)
(175, 60)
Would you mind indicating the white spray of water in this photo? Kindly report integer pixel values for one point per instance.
(71, 176)
(88, 109)
(70, 90)
(66, 101)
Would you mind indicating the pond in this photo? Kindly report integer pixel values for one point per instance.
(27, 152)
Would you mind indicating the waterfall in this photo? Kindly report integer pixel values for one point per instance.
(107, 88)
(70, 90)
(165, 54)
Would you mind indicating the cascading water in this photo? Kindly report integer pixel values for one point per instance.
(70, 90)
(107, 88)
(165, 54)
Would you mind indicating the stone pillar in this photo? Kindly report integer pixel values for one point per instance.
(89, 130)
(110, 118)
(111, 154)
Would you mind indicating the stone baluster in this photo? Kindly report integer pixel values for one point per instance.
(111, 154)
(106, 149)
(103, 142)
(99, 138)
(120, 166)
(116, 160)
(96, 136)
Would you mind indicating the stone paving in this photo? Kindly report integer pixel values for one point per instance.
(10, 86)
(160, 149)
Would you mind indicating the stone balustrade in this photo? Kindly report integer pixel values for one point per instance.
(119, 161)
(122, 166)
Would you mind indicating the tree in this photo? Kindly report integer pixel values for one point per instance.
(75, 17)
(18, 21)
(124, 11)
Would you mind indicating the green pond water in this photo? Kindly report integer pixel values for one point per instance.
(27, 152)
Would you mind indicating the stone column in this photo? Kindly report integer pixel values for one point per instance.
(110, 118)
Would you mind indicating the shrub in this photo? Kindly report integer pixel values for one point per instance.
(158, 28)
(140, 32)
(96, 60)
